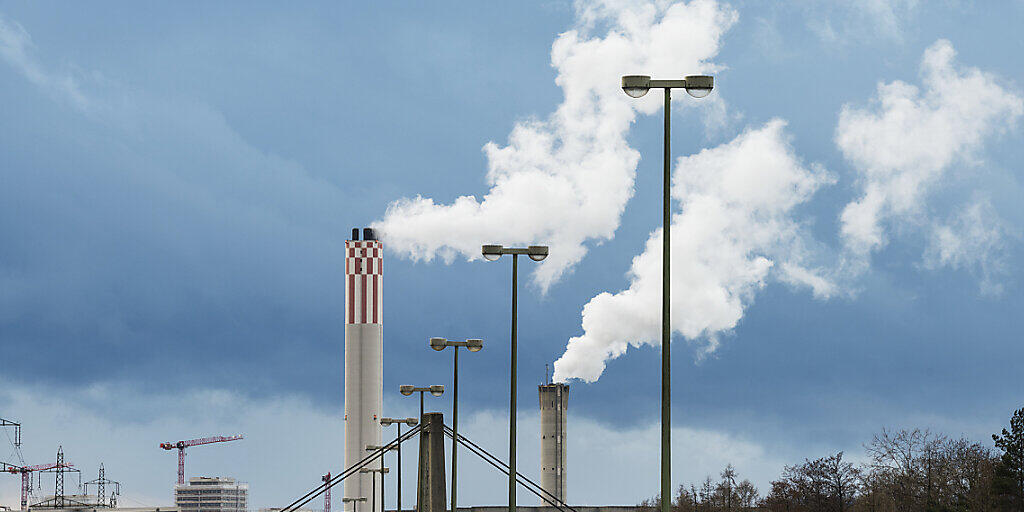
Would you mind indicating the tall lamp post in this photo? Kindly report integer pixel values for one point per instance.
(387, 422)
(493, 253)
(436, 390)
(382, 470)
(636, 86)
(473, 345)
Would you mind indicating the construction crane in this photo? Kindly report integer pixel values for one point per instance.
(26, 476)
(327, 497)
(181, 445)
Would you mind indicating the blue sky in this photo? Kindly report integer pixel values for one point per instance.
(178, 181)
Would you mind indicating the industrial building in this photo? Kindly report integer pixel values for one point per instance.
(211, 494)
(364, 362)
(91, 508)
(554, 401)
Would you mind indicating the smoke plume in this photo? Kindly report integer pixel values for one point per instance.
(736, 228)
(566, 180)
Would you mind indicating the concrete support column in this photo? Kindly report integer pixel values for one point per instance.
(430, 488)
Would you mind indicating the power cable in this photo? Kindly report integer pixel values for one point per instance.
(504, 468)
(322, 488)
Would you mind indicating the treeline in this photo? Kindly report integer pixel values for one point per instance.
(905, 471)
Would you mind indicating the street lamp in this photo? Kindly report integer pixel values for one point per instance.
(493, 253)
(436, 390)
(387, 422)
(382, 471)
(473, 345)
(636, 86)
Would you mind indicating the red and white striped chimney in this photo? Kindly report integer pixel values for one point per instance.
(364, 362)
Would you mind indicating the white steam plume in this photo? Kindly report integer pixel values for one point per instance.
(903, 147)
(735, 227)
(565, 180)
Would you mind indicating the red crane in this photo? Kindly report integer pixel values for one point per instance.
(327, 496)
(26, 476)
(181, 445)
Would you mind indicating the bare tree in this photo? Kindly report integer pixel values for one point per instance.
(726, 486)
(899, 461)
(843, 480)
(747, 495)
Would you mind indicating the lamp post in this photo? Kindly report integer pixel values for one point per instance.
(436, 390)
(382, 470)
(636, 86)
(473, 345)
(373, 489)
(493, 253)
(387, 422)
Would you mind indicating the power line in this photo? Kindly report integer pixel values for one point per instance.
(500, 465)
(322, 488)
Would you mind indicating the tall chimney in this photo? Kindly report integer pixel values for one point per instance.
(554, 401)
(364, 362)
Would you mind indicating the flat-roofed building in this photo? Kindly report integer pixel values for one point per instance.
(211, 494)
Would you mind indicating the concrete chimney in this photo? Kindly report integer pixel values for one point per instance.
(554, 401)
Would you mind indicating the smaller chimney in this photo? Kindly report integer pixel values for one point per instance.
(368, 234)
(554, 403)
(355, 233)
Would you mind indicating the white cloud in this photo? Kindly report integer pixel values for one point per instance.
(908, 140)
(839, 22)
(122, 429)
(736, 225)
(15, 44)
(974, 238)
(566, 180)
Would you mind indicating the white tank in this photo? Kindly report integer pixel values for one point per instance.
(554, 402)
(364, 364)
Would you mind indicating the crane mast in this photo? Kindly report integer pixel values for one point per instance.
(26, 475)
(327, 495)
(181, 445)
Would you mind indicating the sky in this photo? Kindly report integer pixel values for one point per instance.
(177, 182)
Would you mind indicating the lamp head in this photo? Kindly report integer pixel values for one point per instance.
(538, 252)
(386, 422)
(437, 390)
(474, 345)
(699, 86)
(492, 252)
(636, 86)
(406, 389)
(438, 344)
(412, 421)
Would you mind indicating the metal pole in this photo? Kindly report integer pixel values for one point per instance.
(373, 491)
(666, 333)
(399, 493)
(421, 407)
(383, 505)
(455, 425)
(512, 406)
